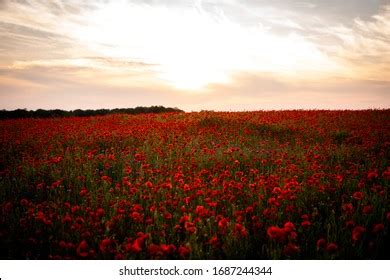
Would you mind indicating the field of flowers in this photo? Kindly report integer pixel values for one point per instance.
(208, 185)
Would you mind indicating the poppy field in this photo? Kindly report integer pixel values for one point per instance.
(207, 185)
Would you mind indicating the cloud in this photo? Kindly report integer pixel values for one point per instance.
(254, 91)
(83, 72)
(363, 47)
(91, 62)
(61, 87)
(195, 54)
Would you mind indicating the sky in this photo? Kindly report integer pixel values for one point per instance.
(232, 55)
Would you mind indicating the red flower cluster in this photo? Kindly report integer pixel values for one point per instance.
(211, 185)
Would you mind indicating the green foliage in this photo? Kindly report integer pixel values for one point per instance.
(40, 113)
(340, 136)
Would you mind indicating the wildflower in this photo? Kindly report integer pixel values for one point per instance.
(136, 246)
(386, 174)
(276, 233)
(201, 211)
(378, 228)
(331, 248)
(357, 233)
(104, 245)
(137, 217)
(214, 242)
(372, 175)
(292, 236)
(190, 227)
(40, 217)
(358, 195)
(306, 224)
(100, 212)
(350, 224)
(168, 249)
(321, 243)
(83, 192)
(106, 178)
(168, 216)
(24, 202)
(222, 224)
(155, 251)
(66, 219)
(240, 230)
(347, 208)
(291, 249)
(82, 249)
(289, 227)
(184, 252)
(367, 209)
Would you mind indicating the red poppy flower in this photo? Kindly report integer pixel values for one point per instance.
(321, 243)
(331, 248)
(106, 178)
(66, 219)
(168, 249)
(184, 252)
(82, 249)
(24, 202)
(135, 247)
(339, 178)
(100, 212)
(83, 192)
(276, 233)
(214, 241)
(289, 226)
(291, 249)
(240, 230)
(155, 250)
(137, 217)
(378, 228)
(40, 217)
(119, 256)
(222, 224)
(75, 209)
(306, 224)
(367, 209)
(350, 224)
(249, 210)
(357, 233)
(63, 244)
(347, 208)
(305, 217)
(190, 227)
(104, 245)
(168, 216)
(201, 211)
(292, 236)
(372, 175)
(386, 174)
(358, 195)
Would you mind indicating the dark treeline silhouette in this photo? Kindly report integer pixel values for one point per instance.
(40, 113)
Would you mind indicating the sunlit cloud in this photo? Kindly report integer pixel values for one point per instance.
(364, 47)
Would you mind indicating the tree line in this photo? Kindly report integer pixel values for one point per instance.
(41, 113)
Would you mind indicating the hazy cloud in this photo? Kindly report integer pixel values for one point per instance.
(231, 54)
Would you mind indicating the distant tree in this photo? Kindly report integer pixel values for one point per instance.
(41, 113)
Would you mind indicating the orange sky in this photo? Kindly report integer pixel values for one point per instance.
(220, 55)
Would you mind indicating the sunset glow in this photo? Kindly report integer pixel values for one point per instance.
(223, 55)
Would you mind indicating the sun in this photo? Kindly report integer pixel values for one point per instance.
(191, 77)
(191, 48)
